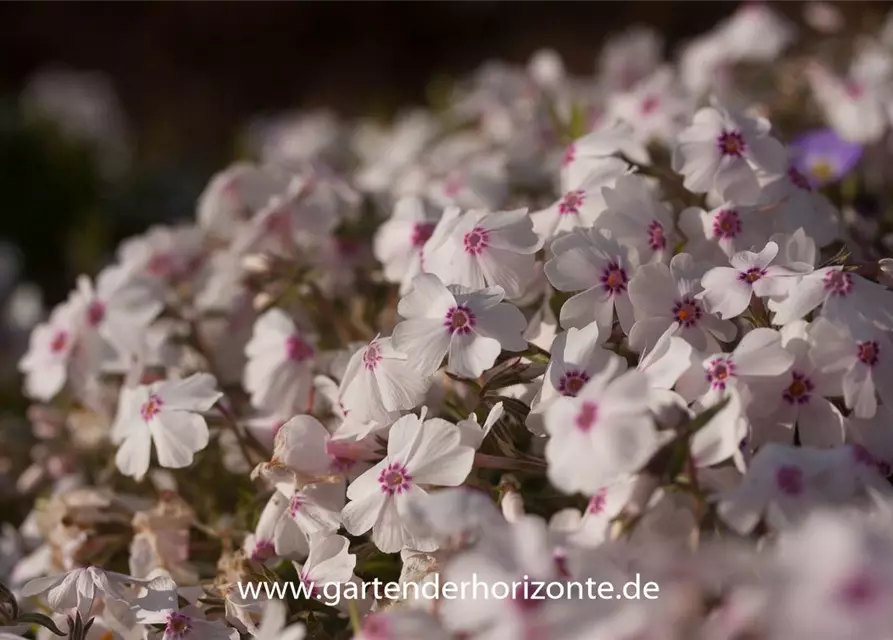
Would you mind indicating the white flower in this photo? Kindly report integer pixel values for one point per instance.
(273, 625)
(279, 372)
(233, 196)
(602, 434)
(799, 398)
(582, 203)
(477, 249)
(50, 351)
(473, 327)
(163, 254)
(855, 105)
(589, 261)
(399, 240)
(864, 355)
(655, 108)
(166, 413)
(728, 290)
(723, 231)
(782, 484)
(726, 151)
(636, 218)
(379, 382)
(847, 299)
(595, 153)
(159, 606)
(800, 206)
(77, 589)
(327, 563)
(663, 296)
(629, 56)
(759, 355)
(420, 452)
(575, 358)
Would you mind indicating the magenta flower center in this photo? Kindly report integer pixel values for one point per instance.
(687, 311)
(656, 238)
(297, 349)
(263, 551)
(838, 283)
(869, 352)
(476, 241)
(727, 224)
(719, 370)
(731, 143)
(95, 313)
(460, 319)
(571, 382)
(587, 416)
(751, 275)
(421, 232)
(800, 389)
(789, 480)
(598, 502)
(394, 478)
(798, 179)
(571, 202)
(569, 153)
(151, 407)
(295, 505)
(59, 342)
(178, 625)
(372, 356)
(614, 278)
(860, 591)
(649, 105)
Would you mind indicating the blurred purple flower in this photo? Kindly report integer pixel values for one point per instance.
(823, 157)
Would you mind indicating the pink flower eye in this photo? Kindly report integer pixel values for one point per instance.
(751, 275)
(687, 311)
(587, 416)
(571, 202)
(421, 232)
(869, 352)
(394, 479)
(151, 407)
(460, 319)
(727, 224)
(731, 143)
(297, 350)
(838, 283)
(372, 356)
(789, 480)
(571, 382)
(95, 313)
(59, 342)
(476, 241)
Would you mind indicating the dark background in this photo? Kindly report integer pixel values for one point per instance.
(190, 74)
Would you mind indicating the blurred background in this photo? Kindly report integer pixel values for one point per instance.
(175, 83)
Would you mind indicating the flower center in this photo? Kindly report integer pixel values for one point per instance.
(731, 143)
(798, 179)
(571, 202)
(649, 105)
(687, 311)
(855, 90)
(459, 319)
(656, 239)
(719, 370)
(614, 278)
(587, 416)
(863, 456)
(263, 550)
(571, 382)
(297, 350)
(421, 231)
(151, 407)
(789, 480)
(59, 342)
(838, 283)
(859, 591)
(598, 502)
(798, 392)
(394, 479)
(178, 625)
(372, 356)
(822, 170)
(569, 153)
(869, 352)
(751, 275)
(453, 184)
(727, 224)
(160, 265)
(295, 505)
(95, 313)
(476, 241)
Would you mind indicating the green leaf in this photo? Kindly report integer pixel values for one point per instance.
(39, 619)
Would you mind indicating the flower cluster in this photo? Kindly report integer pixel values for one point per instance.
(563, 328)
